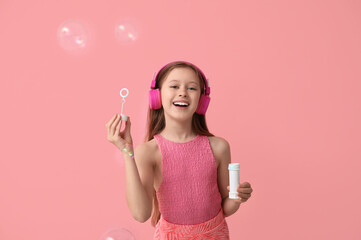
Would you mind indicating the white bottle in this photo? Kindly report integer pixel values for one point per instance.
(233, 180)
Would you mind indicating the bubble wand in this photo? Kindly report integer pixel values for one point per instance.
(124, 117)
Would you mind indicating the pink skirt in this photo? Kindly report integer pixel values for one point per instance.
(216, 229)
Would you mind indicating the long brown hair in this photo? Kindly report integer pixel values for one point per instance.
(156, 119)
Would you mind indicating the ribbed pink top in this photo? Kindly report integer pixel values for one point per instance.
(189, 192)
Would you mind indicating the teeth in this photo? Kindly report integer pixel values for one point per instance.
(181, 103)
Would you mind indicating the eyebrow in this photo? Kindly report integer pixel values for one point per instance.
(175, 80)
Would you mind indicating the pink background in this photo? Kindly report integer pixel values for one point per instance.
(285, 80)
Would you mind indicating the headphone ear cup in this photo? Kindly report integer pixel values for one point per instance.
(203, 104)
(155, 101)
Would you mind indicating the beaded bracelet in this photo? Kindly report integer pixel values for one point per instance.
(131, 154)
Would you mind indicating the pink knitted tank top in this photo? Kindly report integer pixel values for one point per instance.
(188, 193)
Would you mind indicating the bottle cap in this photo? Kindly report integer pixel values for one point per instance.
(124, 117)
(233, 166)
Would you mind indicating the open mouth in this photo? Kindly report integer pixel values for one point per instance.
(181, 104)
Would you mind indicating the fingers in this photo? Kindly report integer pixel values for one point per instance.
(109, 125)
(111, 121)
(244, 191)
(244, 188)
(114, 126)
(114, 135)
(244, 195)
(127, 126)
(245, 185)
(119, 125)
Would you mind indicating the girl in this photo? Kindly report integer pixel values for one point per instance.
(180, 173)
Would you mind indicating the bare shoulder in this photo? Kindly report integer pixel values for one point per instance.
(147, 151)
(220, 146)
(218, 143)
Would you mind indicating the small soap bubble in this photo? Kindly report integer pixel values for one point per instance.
(117, 234)
(125, 32)
(72, 36)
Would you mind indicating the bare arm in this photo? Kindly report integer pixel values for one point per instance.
(139, 171)
(139, 183)
(223, 154)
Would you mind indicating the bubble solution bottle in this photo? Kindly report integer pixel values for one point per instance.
(233, 180)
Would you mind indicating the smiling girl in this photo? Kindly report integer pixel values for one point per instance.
(180, 173)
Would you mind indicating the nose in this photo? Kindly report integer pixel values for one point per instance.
(182, 92)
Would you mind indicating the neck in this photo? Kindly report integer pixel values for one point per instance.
(178, 130)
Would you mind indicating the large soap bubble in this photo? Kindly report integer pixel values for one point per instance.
(117, 234)
(72, 36)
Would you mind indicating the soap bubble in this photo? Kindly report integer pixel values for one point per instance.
(72, 36)
(117, 234)
(125, 32)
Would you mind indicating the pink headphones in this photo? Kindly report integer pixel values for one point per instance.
(155, 101)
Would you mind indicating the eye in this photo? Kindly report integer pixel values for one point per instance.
(192, 88)
(173, 86)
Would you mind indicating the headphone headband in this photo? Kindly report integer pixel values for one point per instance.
(205, 80)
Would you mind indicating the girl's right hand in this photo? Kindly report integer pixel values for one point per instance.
(119, 139)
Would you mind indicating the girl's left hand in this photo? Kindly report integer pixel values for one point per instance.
(244, 192)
